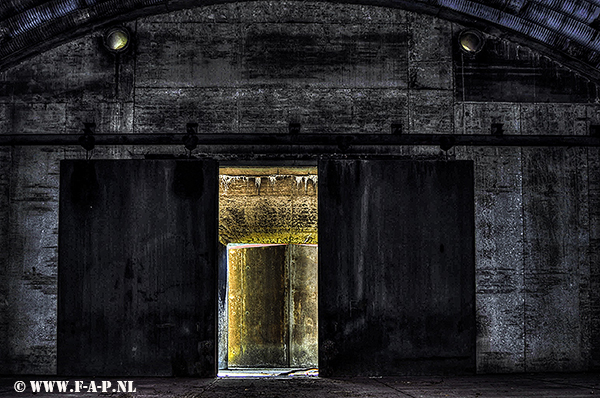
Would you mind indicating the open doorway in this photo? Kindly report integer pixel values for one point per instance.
(268, 271)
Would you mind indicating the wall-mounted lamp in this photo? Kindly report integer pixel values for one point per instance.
(471, 41)
(117, 39)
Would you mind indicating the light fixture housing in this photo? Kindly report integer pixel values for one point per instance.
(471, 41)
(117, 39)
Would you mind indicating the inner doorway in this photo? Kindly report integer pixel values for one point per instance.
(268, 316)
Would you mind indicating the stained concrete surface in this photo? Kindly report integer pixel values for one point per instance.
(273, 310)
(488, 386)
(216, 65)
(137, 289)
(268, 205)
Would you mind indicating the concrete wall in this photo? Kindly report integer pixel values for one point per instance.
(268, 205)
(254, 67)
(272, 316)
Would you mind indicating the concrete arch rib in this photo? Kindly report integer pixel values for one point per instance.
(564, 30)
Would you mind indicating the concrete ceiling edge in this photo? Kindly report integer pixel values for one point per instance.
(19, 45)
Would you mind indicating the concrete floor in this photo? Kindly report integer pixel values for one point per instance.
(485, 386)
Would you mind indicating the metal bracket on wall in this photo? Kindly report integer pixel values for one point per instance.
(190, 139)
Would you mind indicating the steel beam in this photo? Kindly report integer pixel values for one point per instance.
(342, 141)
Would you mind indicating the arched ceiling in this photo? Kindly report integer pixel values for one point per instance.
(565, 30)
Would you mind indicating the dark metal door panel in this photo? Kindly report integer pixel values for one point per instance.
(396, 267)
(137, 268)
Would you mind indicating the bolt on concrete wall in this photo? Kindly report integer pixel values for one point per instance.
(336, 68)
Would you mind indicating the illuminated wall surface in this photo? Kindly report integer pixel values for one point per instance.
(272, 279)
(273, 306)
(268, 205)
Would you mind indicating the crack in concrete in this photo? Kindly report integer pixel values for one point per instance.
(393, 388)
